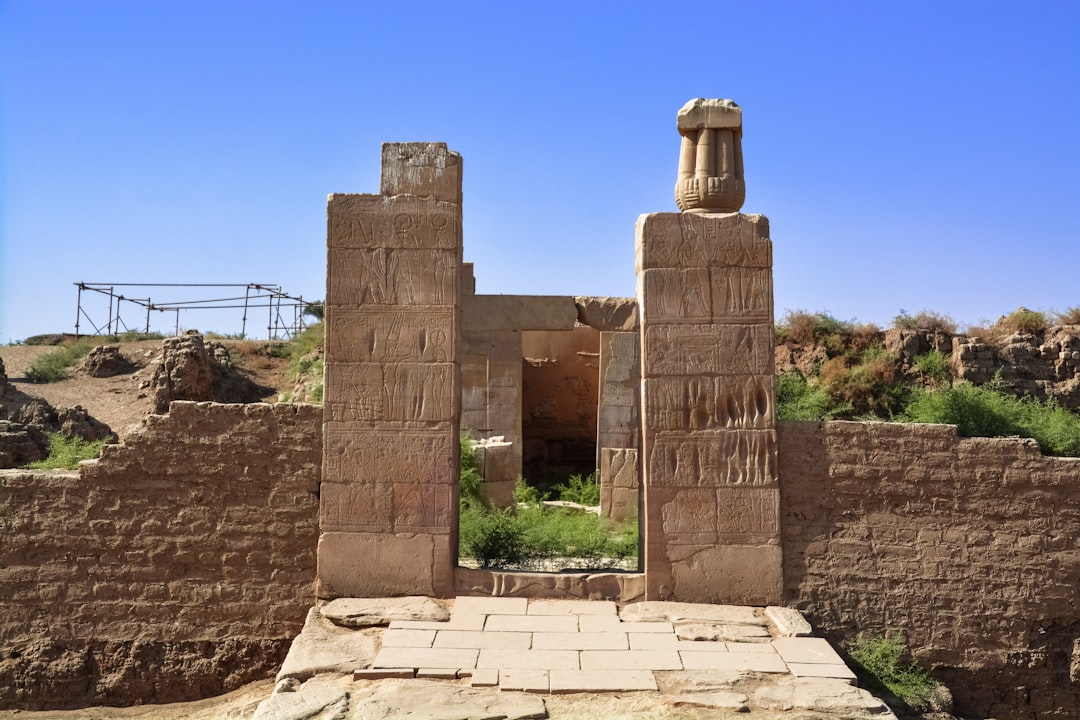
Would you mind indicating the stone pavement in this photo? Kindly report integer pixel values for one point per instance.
(407, 657)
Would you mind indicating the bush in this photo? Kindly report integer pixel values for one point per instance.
(934, 368)
(883, 663)
(1024, 321)
(803, 328)
(469, 477)
(53, 366)
(491, 536)
(1071, 316)
(583, 491)
(868, 384)
(925, 320)
(797, 399)
(65, 453)
(987, 411)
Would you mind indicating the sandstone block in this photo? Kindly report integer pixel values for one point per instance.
(346, 567)
(607, 314)
(368, 612)
(518, 312)
(423, 169)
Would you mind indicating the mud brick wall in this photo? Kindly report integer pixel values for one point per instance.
(179, 565)
(967, 547)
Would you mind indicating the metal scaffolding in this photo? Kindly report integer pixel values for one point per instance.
(285, 313)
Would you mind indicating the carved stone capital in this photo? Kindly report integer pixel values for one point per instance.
(710, 161)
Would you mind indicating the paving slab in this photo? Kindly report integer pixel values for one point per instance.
(720, 699)
(752, 648)
(789, 622)
(819, 695)
(370, 612)
(581, 641)
(491, 606)
(317, 698)
(458, 621)
(524, 680)
(323, 647)
(573, 607)
(437, 673)
(485, 677)
(652, 641)
(435, 700)
(603, 623)
(753, 662)
(408, 638)
(807, 650)
(682, 613)
(383, 673)
(716, 631)
(581, 681)
(397, 657)
(532, 623)
(483, 640)
(822, 670)
(529, 659)
(630, 660)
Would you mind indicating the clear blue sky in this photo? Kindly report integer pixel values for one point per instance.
(916, 155)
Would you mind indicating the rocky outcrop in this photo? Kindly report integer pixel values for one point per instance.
(106, 361)
(1045, 364)
(191, 369)
(26, 422)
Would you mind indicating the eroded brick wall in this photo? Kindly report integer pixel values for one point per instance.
(178, 566)
(967, 547)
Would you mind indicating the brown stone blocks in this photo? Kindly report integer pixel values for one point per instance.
(391, 392)
(357, 564)
(518, 312)
(422, 169)
(713, 240)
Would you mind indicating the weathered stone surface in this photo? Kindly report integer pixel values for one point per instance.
(720, 699)
(405, 564)
(819, 695)
(685, 613)
(627, 587)
(710, 161)
(369, 612)
(518, 312)
(424, 169)
(105, 361)
(619, 485)
(789, 621)
(713, 632)
(607, 314)
(322, 698)
(323, 647)
(191, 369)
(433, 700)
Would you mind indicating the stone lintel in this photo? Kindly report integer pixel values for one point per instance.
(518, 312)
(702, 113)
(608, 314)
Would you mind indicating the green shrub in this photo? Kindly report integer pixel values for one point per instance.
(925, 320)
(53, 366)
(469, 477)
(1024, 321)
(934, 368)
(884, 663)
(583, 491)
(798, 399)
(526, 494)
(988, 411)
(867, 383)
(491, 536)
(65, 453)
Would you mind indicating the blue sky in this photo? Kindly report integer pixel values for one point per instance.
(910, 155)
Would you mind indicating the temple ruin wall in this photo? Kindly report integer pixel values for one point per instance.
(967, 547)
(178, 566)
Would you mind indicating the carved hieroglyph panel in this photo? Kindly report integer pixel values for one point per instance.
(688, 514)
(399, 392)
(400, 334)
(420, 507)
(742, 294)
(667, 240)
(371, 221)
(363, 506)
(705, 403)
(709, 459)
(675, 296)
(619, 467)
(381, 276)
(360, 455)
(748, 513)
(708, 349)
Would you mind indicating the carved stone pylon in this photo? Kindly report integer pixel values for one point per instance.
(710, 161)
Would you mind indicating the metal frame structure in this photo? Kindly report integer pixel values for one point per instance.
(256, 295)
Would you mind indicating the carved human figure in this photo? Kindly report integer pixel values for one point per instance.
(710, 161)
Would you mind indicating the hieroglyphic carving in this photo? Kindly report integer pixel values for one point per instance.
(366, 506)
(689, 514)
(703, 240)
(713, 458)
(422, 507)
(370, 221)
(415, 391)
(364, 455)
(354, 391)
(619, 467)
(383, 276)
(708, 349)
(753, 512)
(708, 403)
(676, 296)
(742, 294)
(380, 334)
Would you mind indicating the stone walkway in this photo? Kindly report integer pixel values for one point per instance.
(567, 646)
(498, 657)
